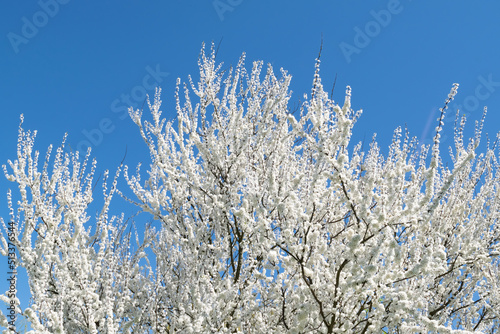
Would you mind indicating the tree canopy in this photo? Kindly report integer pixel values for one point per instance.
(267, 221)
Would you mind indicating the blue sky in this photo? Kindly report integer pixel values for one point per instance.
(74, 66)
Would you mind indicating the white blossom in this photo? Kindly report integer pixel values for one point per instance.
(263, 221)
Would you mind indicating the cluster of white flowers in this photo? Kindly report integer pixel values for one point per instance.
(268, 222)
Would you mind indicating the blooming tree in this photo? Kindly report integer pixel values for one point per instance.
(263, 222)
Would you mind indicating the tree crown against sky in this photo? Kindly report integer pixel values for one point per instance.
(266, 220)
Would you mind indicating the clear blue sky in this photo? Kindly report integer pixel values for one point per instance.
(73, 66)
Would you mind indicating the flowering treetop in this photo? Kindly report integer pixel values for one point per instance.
(267, 222)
